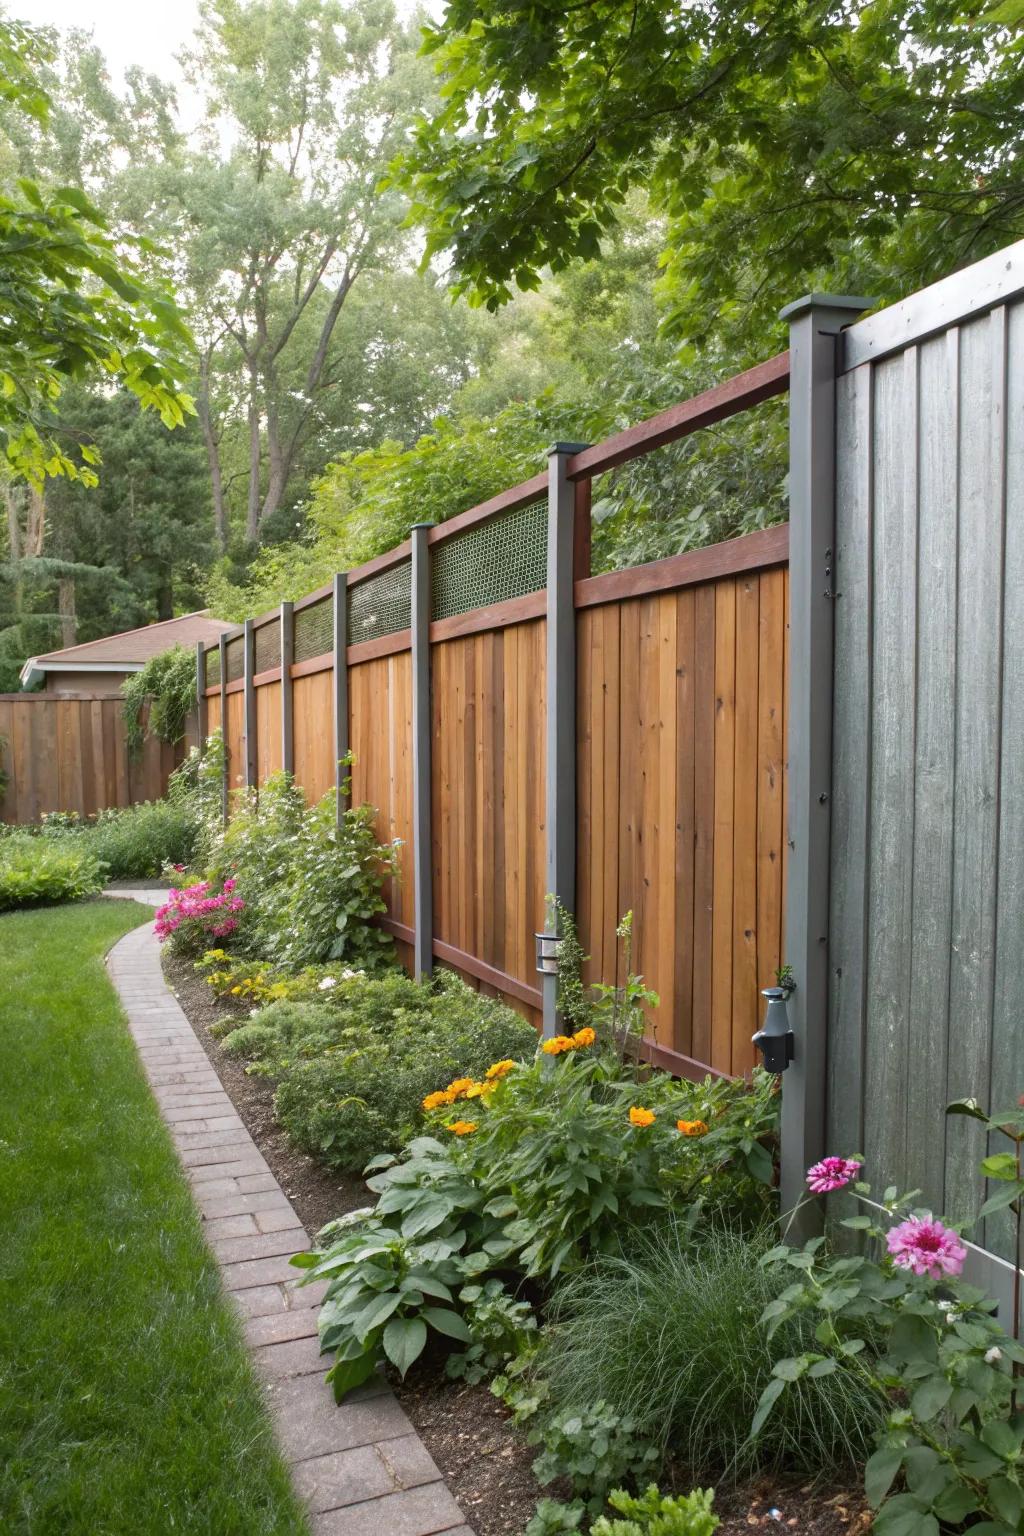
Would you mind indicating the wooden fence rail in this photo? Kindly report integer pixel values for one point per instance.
(676, 676)
(69, 752)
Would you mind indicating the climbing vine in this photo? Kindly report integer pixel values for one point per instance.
(168, 683)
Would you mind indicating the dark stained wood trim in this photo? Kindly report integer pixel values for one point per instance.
(482, 972)
(384, 645)
(382, 562)
(271, 675)
(237, 686)
(323, 663)
(752, 551)
(208, 693)
(678, 1064)
(310, 598)
(725, 399)
(515, 610)
(397, 930)
(507, 501)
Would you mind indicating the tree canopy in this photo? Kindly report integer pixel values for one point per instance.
(868, 146)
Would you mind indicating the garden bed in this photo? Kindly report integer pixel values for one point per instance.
(484, 1458)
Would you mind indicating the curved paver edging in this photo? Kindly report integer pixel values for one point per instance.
(361, 1467)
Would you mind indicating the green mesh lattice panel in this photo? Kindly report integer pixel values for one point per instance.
(234, 653)
(213, 668)
(267, 646)
(314, 630)
(500, 559)
(381, 605)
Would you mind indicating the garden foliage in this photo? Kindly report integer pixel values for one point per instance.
(167, 683)
(353, 1067)
(34, 870)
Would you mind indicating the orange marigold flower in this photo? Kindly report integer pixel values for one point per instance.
(463, 1127)
(435, 1100)
(640, 1116)
(458, 1088)
(557, 1045)
(584, 1036)
(499, 1069)
(475, 1090)
(692, 1127)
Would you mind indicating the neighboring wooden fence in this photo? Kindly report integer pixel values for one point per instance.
(68, 752)
(672, 766)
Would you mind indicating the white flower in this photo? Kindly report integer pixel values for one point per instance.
(993, 1354)
(348, 975)
(327, 983)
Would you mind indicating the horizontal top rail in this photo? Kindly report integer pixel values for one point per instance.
(749, 552)
(964, 295)
(726, 399)
(512, 500)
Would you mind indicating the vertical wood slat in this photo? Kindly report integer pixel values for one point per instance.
(250, 746)
(340, 706)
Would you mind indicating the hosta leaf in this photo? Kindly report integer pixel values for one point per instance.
(404, 1339)
(345, 1375)
(447, 1322)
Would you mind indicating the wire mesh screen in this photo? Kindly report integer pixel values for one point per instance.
(267, 646)
(503, 558)
(314, 630)
(234, 653)
(381, 605)
(213, 668)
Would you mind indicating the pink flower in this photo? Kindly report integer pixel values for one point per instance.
(832, 1173)
(925, 1246)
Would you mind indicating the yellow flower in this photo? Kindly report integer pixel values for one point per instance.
(557, 1045)
(435, 1100)
(691, 1127)
(463, 1127)
(475, 1091)
(458, 1088)
(640, 1116)
(235, 991)
(584, 1036)
(499, 1069)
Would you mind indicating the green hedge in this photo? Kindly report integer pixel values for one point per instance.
(34, 870)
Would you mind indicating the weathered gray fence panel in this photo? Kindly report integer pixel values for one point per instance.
(926, 997)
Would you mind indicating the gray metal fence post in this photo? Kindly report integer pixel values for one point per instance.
(201, 711)
(224, 782)
(814, 326)
(287, 696)
(422, 730)
(341, 735)
(560, 725)
(249, 662)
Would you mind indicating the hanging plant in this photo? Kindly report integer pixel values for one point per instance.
(168, 684)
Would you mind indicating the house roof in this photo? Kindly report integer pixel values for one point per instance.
(128, 651)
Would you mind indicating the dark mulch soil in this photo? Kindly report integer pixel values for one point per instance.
(484, 1459)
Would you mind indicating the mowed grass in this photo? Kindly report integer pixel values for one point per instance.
(127, 1402)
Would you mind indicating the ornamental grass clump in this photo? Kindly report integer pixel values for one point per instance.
(680, 1351)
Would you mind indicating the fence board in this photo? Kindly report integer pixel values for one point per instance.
(269, 754)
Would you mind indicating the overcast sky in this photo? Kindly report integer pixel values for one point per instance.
(127, 31)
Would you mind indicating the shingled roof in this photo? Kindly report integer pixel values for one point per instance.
(128, 651)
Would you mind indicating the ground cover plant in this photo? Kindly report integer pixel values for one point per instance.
(35, 871)
(127, 1394)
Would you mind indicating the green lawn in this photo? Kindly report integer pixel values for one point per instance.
(127, 1403)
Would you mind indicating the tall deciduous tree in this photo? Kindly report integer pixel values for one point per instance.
(281, 216)
(873, 146)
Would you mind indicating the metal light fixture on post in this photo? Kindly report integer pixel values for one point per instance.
(549, 947)
(775, 1039)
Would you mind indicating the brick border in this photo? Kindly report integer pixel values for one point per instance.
(361, 1467)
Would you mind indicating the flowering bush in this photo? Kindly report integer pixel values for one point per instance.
(252, 982)
(900, 1320)
(190, 918)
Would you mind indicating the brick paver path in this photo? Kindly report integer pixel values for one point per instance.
(361, 1467)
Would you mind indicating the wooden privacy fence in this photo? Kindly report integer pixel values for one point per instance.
(523, 726)
(69, 752)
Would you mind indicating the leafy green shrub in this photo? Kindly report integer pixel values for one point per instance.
(657, 1514)
(34, 870)
(353, 1071)
(587, 1147)
(501, 1328)
(197, 788)
(595, 1448)
(679, 1350)
(138, 842)
(311, 887)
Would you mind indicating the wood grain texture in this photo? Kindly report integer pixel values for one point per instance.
(269, 757)
(380, 723)
(312, 703)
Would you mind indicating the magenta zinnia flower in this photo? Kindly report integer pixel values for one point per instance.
(925, 1246)
(832, 1173)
